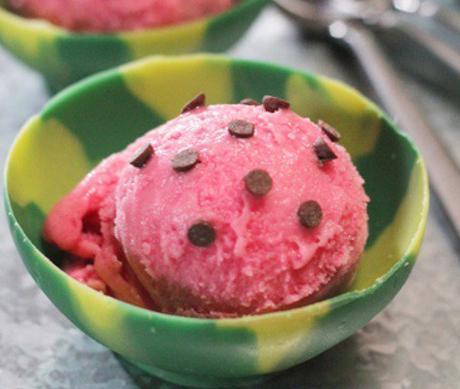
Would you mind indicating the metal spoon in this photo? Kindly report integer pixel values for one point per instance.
(381, 15)
(448, 17)
(444, 174)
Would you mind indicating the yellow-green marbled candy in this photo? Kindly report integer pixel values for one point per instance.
(64, 57)
(101, 115)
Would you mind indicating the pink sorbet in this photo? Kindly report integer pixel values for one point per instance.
(263, 214)
(118, 15)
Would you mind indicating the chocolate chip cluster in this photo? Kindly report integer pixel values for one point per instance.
(257, 182)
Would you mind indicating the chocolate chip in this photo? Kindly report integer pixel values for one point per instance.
(258, 182)
(272, 104)
(310, 214)
(141, 158)
(323, 151)
(201, 234)
(185, 160)
(249, 101)
(241, 129)
(198, 101)
(330, 131)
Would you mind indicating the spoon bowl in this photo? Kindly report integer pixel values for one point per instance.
(318, 15)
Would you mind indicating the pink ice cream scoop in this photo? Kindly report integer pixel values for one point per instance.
(118, 15)
(227, 210)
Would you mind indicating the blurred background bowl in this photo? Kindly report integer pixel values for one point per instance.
(63, 56)
(101, 115)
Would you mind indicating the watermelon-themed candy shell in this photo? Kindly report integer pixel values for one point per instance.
(99, 116)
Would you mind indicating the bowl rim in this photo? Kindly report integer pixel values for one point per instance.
(128, 34)
(336, 301)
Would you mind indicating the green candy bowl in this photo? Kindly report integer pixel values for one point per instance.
(101, 115)
(64, 57)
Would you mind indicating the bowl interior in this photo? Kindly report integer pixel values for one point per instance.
(99, 116)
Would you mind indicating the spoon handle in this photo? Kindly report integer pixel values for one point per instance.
(447, 17)
(440, 50)
(444, 174)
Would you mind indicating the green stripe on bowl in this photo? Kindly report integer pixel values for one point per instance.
(283, 340)
(31, 217)
(255, 80)
(387, 185)
(108, 118)
(396, 239)
(225, 29)
(86, 54)
(222, 352)
(179, 80)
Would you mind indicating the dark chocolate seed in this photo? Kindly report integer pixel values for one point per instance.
(272, 104)
(201, 234)
(198, 101)
(185, 160)
(249, 101)
(330, 131)
(258, 182)
(141, 158)
(323, 151)
(241, 129)
(310, 214)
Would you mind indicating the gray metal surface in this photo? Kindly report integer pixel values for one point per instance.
(414, 343)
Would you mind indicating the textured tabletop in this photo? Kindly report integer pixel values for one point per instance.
(414, 343)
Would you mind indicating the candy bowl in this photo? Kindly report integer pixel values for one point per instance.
(101, 115)
(64, 56)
